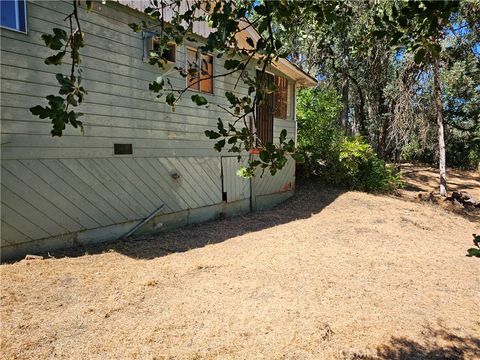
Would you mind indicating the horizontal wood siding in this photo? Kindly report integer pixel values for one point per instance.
(58, 186)
(118, 107)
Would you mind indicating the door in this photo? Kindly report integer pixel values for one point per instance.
(234, 187)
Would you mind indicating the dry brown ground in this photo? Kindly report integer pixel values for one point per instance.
(425, 179)
(326, 275)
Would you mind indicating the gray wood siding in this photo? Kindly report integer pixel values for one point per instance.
(43, 198)
(119, 105)
(284, 180)
(58, 186)
(235, 187)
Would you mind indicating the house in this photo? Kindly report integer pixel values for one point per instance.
(136, 155)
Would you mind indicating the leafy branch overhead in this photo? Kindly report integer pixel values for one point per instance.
(225, 17)
(71, 91)
(414, 25)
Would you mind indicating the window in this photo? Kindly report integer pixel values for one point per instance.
(264, 110)
(281, 97)
(200, 71)
(152, 45)
(14, 15)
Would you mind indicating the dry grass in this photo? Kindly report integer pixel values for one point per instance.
(327, 275)
(425, 179)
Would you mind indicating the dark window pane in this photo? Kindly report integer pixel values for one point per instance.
(22, 15)
(122, 149)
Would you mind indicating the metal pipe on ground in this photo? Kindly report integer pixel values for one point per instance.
(143, 222)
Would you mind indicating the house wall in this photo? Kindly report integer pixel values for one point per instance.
(63, 191)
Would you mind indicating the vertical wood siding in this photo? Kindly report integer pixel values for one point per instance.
(235, 187)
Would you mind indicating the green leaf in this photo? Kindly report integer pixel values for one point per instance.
(55, 59)
(232, 99)
(419, 56)
(199, 100)
(52, 41)
(476, 239)
(234, 149)
(170, 99)
(156, 86)
(299, 158)
(39, 111)
(219, 145)
(246, 173)
(283, 135)
(231, 64)
(134, 27)
(221, 128)
(265, 156)
(473, 252)
(60, 34)
(212, 134)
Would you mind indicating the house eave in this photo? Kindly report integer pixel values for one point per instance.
(301, 78)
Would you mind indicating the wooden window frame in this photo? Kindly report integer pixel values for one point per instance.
(199, 58)
(150, 40)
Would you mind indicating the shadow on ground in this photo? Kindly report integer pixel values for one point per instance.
(438, 344)
(423, 179)
(215, 231)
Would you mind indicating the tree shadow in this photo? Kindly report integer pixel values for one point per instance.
(437, 344)
(412, 187)
(310, 198)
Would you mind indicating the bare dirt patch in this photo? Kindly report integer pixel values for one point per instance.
(326, 275)
(422, 185)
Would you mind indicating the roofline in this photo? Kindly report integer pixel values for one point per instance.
(283, 64)
(302, 78)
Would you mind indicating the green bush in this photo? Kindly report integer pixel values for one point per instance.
(360, 168)
(331, 156)
(318, 133)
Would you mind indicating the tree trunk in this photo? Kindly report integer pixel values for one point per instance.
(345, 87)
(441, 134)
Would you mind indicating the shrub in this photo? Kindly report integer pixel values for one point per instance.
(331, 156)
(360, 168)
(318, 132)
